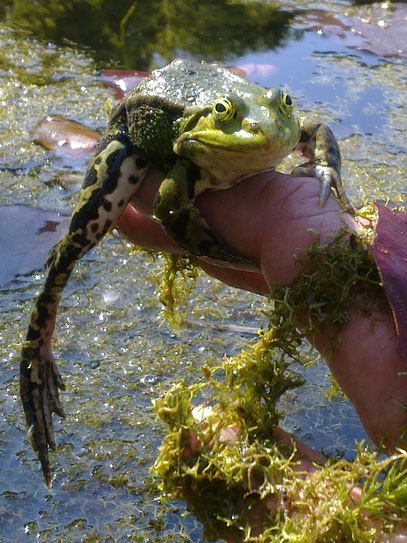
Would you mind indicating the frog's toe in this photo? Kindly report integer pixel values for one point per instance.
(310, 170)
(225, 256)
(325, 192)
(330, 179)
(39, 387)
(41, 433)
(305, 170)
(41, 452)
(54, 383)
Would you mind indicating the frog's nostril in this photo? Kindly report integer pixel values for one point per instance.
(251, 124)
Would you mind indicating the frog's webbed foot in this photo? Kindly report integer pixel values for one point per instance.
(191, 231)
(175, 209)
(40, 382)
(318, 144)
(330, 179)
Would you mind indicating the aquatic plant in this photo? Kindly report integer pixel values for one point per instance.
(223, 454)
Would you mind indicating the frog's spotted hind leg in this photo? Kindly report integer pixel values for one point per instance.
(175, 209)
(112, 178)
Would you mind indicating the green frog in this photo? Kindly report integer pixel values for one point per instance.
(205, 128)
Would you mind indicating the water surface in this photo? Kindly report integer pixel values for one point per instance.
(340, 62)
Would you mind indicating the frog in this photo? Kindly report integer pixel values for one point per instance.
(206, 128)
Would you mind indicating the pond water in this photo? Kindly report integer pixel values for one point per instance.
(342, 62)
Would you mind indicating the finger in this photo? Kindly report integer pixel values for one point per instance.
(145, 232)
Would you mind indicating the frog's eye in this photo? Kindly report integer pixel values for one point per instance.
(286, 103)
(223, 109)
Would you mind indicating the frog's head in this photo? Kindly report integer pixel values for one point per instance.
(236, 136)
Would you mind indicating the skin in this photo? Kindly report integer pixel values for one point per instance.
(272, 214)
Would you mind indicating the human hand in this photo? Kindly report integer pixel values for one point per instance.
(267, 218)
(311, 489)
(272, 219)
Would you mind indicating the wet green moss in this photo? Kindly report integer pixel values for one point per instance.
(175, 283)
(219, 454)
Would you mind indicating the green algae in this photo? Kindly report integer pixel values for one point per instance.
(175, 282)
(225, 480)
(224, 483)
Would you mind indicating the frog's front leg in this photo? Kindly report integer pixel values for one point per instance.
(319, 145)
(175, 209)
(113, 176)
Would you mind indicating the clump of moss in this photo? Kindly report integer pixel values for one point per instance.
(176, 281)
(333, 278)
(222, 458)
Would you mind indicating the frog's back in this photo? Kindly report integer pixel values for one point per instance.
(188, 84)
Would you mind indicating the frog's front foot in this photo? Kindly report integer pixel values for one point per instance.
(191, 232)
(40, 382)
(330, 179)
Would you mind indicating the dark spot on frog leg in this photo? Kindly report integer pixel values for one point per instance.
(107, 206)
(305, 136)
(112, 158)
(81, 239)
(41, 319)
(94, 227)
(120, 203)
(141, 163)
(90, 178)
(332, 150)
(333, 155)
(133, 179)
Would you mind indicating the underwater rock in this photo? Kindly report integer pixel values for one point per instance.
(65, 138)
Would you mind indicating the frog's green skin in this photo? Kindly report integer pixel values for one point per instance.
(206, 128)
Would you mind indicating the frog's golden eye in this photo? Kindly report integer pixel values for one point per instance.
(223, 109)
(286, 103)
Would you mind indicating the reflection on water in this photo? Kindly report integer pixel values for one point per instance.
(116, 354)
(137, 34)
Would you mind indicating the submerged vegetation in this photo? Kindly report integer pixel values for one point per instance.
(221, 455)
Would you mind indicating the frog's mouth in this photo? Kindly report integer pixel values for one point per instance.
(258, 153)
(231, 162)
(241, 141)
(250, 139)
